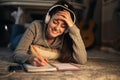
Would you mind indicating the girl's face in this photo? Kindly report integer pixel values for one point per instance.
(56, 27)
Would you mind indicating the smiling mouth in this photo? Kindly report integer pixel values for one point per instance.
(55, 32)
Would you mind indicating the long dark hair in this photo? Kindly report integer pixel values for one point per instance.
(62, 2)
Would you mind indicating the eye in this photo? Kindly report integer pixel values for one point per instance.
(55, 22)
(63, 26)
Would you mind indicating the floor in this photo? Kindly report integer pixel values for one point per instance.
(103, 64)
(105, 53)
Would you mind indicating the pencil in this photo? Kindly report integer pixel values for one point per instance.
(39, 55)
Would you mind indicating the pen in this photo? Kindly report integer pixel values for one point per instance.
(39, 55)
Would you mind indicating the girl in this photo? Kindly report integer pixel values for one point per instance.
(59, 21)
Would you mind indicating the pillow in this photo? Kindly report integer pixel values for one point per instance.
(44, 52)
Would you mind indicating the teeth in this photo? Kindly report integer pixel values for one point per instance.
(54, 32)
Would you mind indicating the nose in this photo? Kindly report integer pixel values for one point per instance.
(57, 27)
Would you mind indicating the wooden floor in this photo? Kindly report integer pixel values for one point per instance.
(100, 66)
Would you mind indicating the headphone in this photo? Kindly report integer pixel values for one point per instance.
(47, 18)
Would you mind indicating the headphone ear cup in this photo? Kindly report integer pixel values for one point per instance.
(47, 19)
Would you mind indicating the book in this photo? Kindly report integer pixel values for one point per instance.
(30, 68)
(65, 66)
(51, 67)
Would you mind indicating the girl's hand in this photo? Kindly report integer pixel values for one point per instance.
(39, 62)
(65, 15)
(35, 61)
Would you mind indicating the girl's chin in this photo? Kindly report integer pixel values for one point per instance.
(54, 35)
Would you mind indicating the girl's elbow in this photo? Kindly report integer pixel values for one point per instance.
(83, 61)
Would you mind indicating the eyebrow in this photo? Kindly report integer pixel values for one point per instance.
(60, 20)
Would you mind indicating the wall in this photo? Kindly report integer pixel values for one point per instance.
(97, 18)
(110, 20)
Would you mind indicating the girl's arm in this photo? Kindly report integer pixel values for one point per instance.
(21, 52)
(79, 51)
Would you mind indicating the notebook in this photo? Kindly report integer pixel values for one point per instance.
(51, 67)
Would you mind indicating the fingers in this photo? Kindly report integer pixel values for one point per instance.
(38, 62)
(46, 59)
(65, 16)
(42, 59)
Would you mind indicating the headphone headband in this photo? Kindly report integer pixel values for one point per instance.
(61, 6)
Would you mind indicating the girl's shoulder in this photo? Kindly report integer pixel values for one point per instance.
(37, 24)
